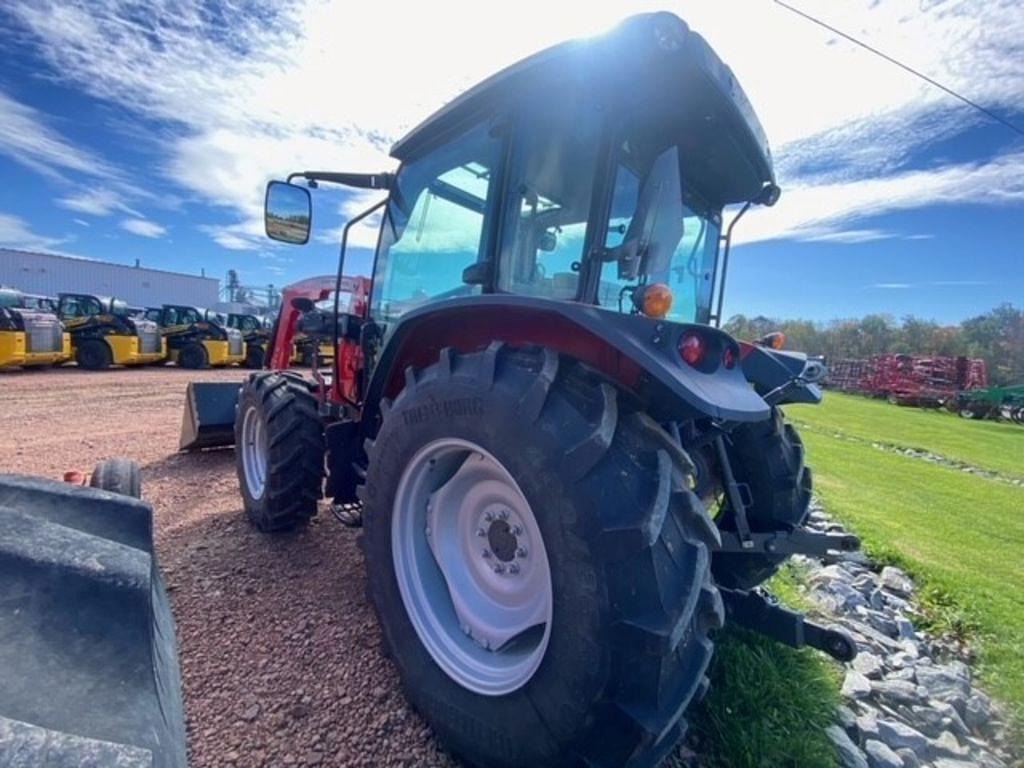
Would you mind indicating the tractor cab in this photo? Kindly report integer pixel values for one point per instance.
(78, 306)
(255, 332)
(198, 337)
(104, 333)
(593, 172)
(39, 303)
(247, 324)
(31, 334)
(563, 468)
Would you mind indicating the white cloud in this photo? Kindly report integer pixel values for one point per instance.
(852, 236)
(933, 284)
(16, 233)
(99, 201)
(26, 138)
(258, 94)
(815, 210)
(143, 228)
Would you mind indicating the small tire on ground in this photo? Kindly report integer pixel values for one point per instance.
(193, 356)
(768, 456)
(628, 549)
(93, 354)
(254, 356)
(286, 410)
(118, 476)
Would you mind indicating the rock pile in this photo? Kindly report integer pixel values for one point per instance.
(908, 701)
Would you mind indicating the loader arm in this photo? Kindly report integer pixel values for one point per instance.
(315, 289)
(281, 339)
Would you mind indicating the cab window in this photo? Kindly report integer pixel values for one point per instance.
(80, 306)
(550, 185)
(689, 269)
(435, 226)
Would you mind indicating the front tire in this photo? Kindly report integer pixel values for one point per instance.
(93, 355)
(623, 542)
(193, 356)
(254, 356)
(279, 453)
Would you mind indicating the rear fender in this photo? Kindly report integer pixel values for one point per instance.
(768, 369)
(638, 352)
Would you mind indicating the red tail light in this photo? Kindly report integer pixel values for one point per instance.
(729, 358)
(692, 348)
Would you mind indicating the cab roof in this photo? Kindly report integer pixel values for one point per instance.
(650, 62)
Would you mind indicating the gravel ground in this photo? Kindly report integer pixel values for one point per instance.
(280, 653)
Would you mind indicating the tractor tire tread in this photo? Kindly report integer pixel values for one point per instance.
(655, 556)
(295, 448)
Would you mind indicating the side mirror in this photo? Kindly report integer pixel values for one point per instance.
(302, 304)
(287, 213)
(657, 226)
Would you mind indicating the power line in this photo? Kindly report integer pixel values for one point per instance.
(901, 65)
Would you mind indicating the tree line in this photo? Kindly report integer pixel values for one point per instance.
(997, 337)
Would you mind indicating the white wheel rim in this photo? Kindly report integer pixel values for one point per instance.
(471, 567)
(254, 453)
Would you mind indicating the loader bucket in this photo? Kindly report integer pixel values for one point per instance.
(209, 419)
(88, 660)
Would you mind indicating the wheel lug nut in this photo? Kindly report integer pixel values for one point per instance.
(521, 552)
(513, 569)
(489, 516)
(481, 532)
(503, 514)
(517, 530)
(499, 568)
(485, 554)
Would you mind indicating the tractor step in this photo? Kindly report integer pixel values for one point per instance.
(760, 612)
(797, 542)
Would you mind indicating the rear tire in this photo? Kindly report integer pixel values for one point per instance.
(193, 356)
(279, 450)
(769, 457)
(118, 476)
(93, 355)
(627, 552)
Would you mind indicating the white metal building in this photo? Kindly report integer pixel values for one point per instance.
(49, 274)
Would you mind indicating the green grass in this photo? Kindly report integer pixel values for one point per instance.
(768, 705)
(960, 535)
(994, 446)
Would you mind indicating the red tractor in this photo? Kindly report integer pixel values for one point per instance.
(568, 475)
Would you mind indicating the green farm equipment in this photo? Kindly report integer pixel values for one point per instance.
(1003, 403)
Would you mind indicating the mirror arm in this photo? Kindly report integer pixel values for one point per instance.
(336, 367)
(727, 242)
(360, 180)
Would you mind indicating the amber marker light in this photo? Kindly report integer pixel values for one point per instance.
(654, 300)
(775, 340)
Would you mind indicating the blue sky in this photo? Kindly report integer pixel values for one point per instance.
(148, 132)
